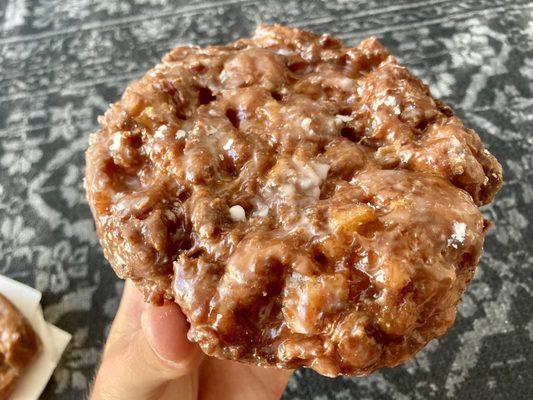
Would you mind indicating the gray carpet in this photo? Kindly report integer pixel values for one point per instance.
(62, 62)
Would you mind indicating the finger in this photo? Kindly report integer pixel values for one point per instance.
(273, 379)
(128, 317)
(140, 365)
(166, 330)
(241, 381)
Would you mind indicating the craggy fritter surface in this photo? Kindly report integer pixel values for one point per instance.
(304, 202)
(19, 345)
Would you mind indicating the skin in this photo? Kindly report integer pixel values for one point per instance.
(147, 357)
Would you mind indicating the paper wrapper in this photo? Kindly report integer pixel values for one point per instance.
(32, 383)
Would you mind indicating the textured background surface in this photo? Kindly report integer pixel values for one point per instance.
(62, 62)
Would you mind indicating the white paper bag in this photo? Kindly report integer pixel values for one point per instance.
(54, 341)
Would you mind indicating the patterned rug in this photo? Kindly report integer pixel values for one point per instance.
(62, 62)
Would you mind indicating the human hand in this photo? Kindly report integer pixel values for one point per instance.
(147, 357)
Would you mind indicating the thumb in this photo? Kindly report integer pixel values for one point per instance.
(147, 349)
(164, 329)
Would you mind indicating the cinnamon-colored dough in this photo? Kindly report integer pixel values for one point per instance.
(19, 345)
(306, 203)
